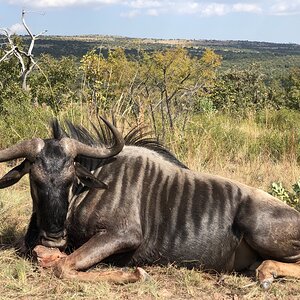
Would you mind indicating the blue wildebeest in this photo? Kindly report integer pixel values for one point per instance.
(137, 204)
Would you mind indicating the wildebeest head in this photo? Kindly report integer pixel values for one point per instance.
(52, 168)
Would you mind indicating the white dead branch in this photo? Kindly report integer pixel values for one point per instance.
(25, 58)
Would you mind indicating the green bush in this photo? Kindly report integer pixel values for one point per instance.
(23, 121)
(291, 198)
(54, 83)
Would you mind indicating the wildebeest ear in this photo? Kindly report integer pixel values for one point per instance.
(87, 178)
(14, 175)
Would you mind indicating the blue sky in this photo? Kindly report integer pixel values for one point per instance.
(266, 20)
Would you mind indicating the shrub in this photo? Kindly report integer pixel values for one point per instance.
(291, 198)
(23, 121)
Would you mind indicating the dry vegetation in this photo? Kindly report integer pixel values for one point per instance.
(23, 279)
(256, 150)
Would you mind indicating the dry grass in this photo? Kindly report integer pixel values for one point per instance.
(258, 173)
(22, 279)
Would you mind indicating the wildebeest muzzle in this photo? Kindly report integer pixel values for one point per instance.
(51, 239)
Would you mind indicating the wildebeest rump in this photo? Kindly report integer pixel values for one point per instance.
(137, 204)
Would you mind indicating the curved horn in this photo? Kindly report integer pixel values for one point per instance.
(27, 149)
(75, 147)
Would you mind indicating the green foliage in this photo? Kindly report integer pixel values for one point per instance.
(204, 104)
(158, 87)
(291, 198)
(240, 90)
(167, 89)
(54, 83)
(23, 121)
(275, 58)
(9, 81)
(108, 80)
(293, 88)
(9, 71)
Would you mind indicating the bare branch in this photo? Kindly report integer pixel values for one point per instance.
(13, 47)
(21, 60)
(41, 33)
(8, 53)
(33, 37)
(6, 33)
(25, 58)
(25, 25)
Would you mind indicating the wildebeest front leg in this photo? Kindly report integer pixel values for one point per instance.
(99, 247)
(270, 269)
(26, 244)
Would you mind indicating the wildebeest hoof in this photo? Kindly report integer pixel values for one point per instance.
(265, 284)
(21, 247)
(47, 257)
(266, 273)
(142, 274)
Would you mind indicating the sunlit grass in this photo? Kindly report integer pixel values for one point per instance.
(237, 149)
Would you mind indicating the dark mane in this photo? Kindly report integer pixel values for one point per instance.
(137, 136)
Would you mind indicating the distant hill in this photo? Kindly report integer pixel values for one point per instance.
(272, 56)
(79, 45)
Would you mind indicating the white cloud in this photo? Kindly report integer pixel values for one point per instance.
(217, 8)
(214, 9)
(17, 28)
(246, 7)
(147, 3)
(130, 14)
(152, 12)
(202, 8)
(290, 7)
(63, 3)
(132, 8)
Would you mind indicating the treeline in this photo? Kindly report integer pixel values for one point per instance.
(238, 53)
(162, 88)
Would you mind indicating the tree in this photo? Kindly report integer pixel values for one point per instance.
(178, 80)
(14, 49)
(293, 88)
(162, 85)
(55, 83)
(109, 81)
(240, 90)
